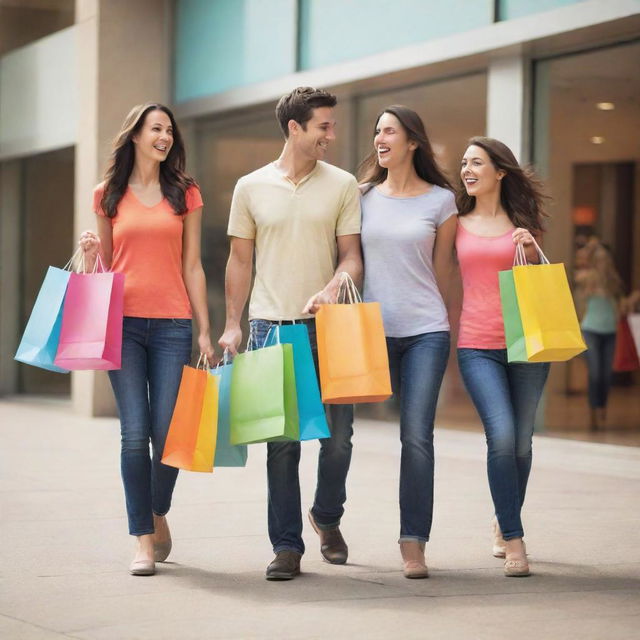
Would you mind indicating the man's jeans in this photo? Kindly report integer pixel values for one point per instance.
(506, 396)
(417, 365)
(154, 350)
(283, 458)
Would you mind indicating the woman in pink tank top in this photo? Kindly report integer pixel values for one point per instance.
(500, 205)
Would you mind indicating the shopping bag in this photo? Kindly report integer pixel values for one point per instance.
(191, 439)
(634, 326)
(313, 420)
(263, 396)
(513, 331)
(39, 342)
(625, 356)
(91, 333)
(549, 321)
(352, 350)
(227, 454)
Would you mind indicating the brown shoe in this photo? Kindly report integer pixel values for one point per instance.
(332, 545)
(285, 566)
(413, 563)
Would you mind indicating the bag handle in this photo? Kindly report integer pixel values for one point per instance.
(69, 265)
(347, 290)
(520, 257)
(225, 360)
(202, 362)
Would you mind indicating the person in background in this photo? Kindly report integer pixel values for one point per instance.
(601, 290)
(149, 217)
(408, 223)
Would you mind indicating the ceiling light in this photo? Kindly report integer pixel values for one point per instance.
(596, 139)
(605, 106)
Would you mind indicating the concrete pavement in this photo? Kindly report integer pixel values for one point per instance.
(64, 550)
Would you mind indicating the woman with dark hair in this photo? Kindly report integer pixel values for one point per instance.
(149, 216)
(500, 205)
(407, 219)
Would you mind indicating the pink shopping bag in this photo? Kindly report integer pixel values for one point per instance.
(91, 334)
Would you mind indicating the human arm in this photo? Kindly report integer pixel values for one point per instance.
(237, 282)
(349, 261)
(443, 252)
(101, 242)
(528, 242)
(195, 281)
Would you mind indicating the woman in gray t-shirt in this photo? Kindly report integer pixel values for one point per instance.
(407, 208)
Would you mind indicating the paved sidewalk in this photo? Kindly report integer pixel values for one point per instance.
(64, 551)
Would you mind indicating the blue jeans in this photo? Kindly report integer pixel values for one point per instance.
(506, 396)
(417, 365)
(600, 350)
(283, 459)
(146, 387)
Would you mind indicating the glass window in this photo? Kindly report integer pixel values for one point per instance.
(508, 9)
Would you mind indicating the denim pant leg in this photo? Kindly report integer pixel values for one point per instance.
(334, 457)
(600, 351)
(417, 364)
(168, 352)
(488, 379)
(526, 382)
(130, 388)
(283, 458)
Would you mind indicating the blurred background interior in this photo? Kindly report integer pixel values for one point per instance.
(557, 80)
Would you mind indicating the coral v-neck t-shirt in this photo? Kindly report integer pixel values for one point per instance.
(147, 248)
(480, 259)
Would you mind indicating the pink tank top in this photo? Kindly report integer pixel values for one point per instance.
(480, 259)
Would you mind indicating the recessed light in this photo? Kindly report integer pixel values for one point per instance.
(605, 106)
(596, 140)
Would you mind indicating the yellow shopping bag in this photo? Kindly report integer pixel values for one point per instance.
(549, 321)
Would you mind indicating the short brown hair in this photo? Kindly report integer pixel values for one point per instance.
(299, 105)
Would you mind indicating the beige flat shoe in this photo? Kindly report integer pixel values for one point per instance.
(413, 563)
(161, 550)
(516, 568)
(142, 568)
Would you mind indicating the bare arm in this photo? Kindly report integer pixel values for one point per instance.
(349, 260)
(101, 242)
(195, 281)
(443, 260)
(237, 282)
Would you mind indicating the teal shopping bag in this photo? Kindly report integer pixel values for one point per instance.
(41, 336)
(513, 331)
(227, 455)
(263, 396)
(313, 420)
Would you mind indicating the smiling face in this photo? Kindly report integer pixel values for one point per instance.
(313, 140)
(155, 138)
(478, 173)
(391, 143)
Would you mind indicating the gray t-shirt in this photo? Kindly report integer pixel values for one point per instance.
(398, 235)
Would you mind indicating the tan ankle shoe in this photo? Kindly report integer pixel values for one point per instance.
(499, 544)
(516, 568)
(413, 562)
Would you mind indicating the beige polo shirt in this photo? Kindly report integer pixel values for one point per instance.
(294, 228)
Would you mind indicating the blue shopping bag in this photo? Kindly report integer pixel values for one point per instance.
(40, 339)
(313, 420)
(227, 454)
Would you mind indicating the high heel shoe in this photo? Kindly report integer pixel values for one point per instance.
(413, 562)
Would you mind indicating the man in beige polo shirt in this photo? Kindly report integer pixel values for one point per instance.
(301, 216)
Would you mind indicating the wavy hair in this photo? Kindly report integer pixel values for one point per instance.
(174, 182)
(521, 193)
(424, 162)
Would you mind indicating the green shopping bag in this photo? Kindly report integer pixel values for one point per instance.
(513, 331)
(264, 407)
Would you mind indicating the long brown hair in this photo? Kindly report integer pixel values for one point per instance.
(521, 193)
(424, 162)
(174, 182)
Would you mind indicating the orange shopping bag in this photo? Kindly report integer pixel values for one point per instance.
(191, 440)
(352, 350)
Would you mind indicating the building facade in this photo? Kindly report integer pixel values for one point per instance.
(557, 80)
